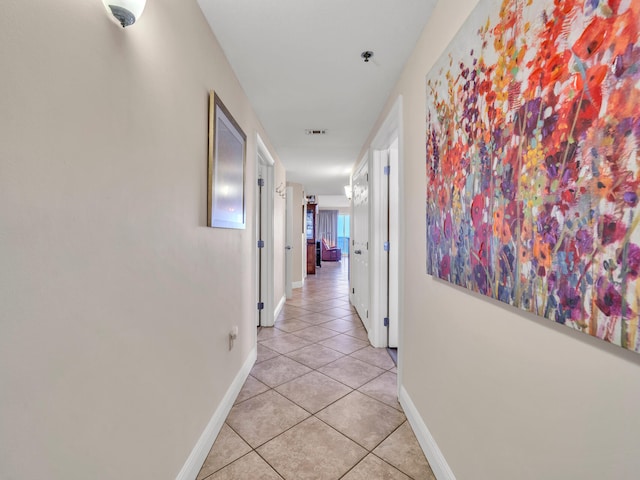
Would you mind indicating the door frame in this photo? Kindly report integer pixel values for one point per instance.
(288, 240)
(266, 266)
(389, 133)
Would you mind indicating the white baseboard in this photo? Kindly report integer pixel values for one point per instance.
(192, 466)
(436, 459)
(297, 284)
(279, 307)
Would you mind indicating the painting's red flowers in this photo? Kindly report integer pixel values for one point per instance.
(594, 77)
(593, 38)
(448, 226)
(445, 267)
(477, 210)
(563, 6)
(611, 229)
(625, 30)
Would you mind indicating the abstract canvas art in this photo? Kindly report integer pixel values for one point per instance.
(532, 155)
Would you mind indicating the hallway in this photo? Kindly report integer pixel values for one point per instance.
(320, 402)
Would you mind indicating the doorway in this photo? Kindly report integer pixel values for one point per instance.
(264, 236)
(385, 174)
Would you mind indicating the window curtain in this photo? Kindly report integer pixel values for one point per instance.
(328, 226)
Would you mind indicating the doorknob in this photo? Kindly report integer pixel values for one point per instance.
(357, 252)
(288, 247)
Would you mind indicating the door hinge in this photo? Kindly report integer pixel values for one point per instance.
(386, 246)
(367, 245)
(260, 305)
(367, 177)
(367, 313)
(261, 182)
(387, 170)
(260, 243)
(353, 290)
(386, 321)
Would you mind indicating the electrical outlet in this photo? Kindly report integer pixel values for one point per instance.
(233, 334)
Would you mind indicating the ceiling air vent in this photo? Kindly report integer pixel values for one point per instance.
(316, 132)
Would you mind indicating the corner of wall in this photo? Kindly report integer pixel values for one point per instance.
(434, 455)
(200, 451)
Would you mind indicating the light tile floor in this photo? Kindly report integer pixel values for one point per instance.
(320, 402)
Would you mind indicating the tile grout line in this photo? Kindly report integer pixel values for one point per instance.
(351, 315)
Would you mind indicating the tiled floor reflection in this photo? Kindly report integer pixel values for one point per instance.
(320, 402)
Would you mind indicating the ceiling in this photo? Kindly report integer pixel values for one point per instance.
(299, 64)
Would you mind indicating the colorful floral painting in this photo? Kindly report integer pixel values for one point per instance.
(533, 136)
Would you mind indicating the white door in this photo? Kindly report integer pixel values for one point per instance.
(360, 243)
(288, 256)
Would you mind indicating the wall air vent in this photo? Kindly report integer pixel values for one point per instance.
(316, 132)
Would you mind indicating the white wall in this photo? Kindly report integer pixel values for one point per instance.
(298, 232)
(115, 299)
(333, 202)
(279, 236)
(506, 395)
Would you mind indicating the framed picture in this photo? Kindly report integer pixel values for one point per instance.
(227, 156)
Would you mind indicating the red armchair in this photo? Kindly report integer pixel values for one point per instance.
(329, 253)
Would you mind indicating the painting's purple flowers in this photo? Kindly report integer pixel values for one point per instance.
(434, 234)
(507, 261)
(480, 279)
(571, 301)
(548, 227)
(507, 185)
(505, 294)
(584, 242)
(552, 163)
(548, 125)
(631, 266)
(526, 120)
(608, 299)
(630, 198)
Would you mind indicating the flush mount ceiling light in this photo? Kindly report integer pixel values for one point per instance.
(366, 55)
(125, 11)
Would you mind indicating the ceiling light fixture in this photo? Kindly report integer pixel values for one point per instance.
(125, 11)
(366, 55)
(316, 132)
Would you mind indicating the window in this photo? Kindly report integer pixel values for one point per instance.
(343, 234)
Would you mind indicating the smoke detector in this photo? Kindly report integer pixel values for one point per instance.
(366, 55)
